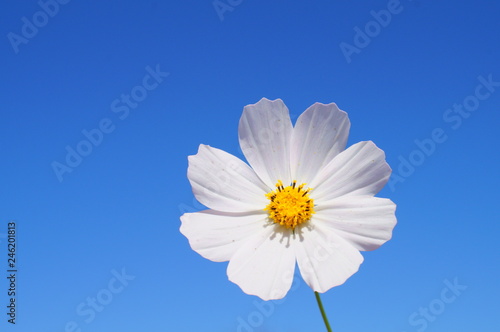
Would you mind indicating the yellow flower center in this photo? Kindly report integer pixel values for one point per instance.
(290, 206)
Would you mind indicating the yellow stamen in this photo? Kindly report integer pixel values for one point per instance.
(291, 205)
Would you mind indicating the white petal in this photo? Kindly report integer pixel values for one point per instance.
(217, 235)
(318, 136)
(223, 182)
(325, 259)
(359, 170)
(366, 222)
(264, 133)
(265, 264)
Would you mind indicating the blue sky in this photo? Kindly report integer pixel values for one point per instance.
(137, 86)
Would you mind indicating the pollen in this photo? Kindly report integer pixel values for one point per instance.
(290, 206)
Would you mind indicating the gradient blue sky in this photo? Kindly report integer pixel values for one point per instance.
(118, 209)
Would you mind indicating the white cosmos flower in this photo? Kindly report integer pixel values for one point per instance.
(304, 200)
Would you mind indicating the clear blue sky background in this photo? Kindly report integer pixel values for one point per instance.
(119, 207)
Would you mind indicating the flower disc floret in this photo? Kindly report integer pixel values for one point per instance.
(290, 206)
(262, 228)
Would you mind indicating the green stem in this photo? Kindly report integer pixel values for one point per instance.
(325, 319)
